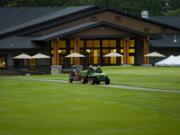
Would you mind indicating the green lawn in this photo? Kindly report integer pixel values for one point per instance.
(150, 77)
(42, 108)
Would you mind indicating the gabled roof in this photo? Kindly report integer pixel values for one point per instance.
(16, 42)
(18, 15)
(139, 18)
(166, 41)
(59, 14)
(173, 21)
(48, 17)
(82, 27)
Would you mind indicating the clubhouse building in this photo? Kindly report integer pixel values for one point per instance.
(89, 30)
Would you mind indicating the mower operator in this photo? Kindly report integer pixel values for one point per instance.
(98, 69)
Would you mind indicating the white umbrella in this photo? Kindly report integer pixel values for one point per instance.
(23, 56)
(40, 56)
(154, 54)
(113, 54)
(75, 55)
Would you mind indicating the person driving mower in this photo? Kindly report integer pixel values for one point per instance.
(98, 69)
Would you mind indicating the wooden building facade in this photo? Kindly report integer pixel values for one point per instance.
(89, 30)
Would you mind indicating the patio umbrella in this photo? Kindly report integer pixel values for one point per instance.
(113, 54)
(23, 56)
(75, 55)
(154, 55)
(40, 56)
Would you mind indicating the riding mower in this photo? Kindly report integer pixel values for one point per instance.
(74, 74)
(86, 76)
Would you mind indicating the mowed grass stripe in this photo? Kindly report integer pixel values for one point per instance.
(147, 77)
(43, 108)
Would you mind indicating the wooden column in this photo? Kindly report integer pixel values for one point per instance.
(101, 53)
(126, 50)
(146, 50)
(68, 48)
(52, 52)
(57, 51)
(76, 49)
(55, 56)
(124, 56)
(118, 43)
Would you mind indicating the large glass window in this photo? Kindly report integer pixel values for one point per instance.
(108, 47)
(62, 54)
(131, 51)
(131, 57)
(93, 43)
(93, 56)
(3, 61)
(62, 44)
(80, 44)
(109, 43)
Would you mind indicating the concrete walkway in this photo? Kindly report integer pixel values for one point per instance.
(135, 88)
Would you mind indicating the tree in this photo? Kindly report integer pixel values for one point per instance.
(173, 4)
(41, 3)
(175, 12)
(4, 2)
(135, 7)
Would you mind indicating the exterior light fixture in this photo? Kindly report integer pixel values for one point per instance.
(11, 44)
(101, 28)
(175, 39)
(59, 51)
(88, 50)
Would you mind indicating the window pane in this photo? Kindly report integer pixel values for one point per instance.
(72, 43)
(109, 43)
(105, 59)
(113, 59)
(89, 43)
(122, 44)
(131, 50)
(122, 51)
(132, 43)
(112, 43)
(81, 44)
(96, 56)
(131, 60)
(62, 44)
(105, 43)
(96, 43)
(2, 62)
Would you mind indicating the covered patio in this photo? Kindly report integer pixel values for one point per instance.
(95, 39)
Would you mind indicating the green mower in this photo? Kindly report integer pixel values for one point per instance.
(87, 76)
